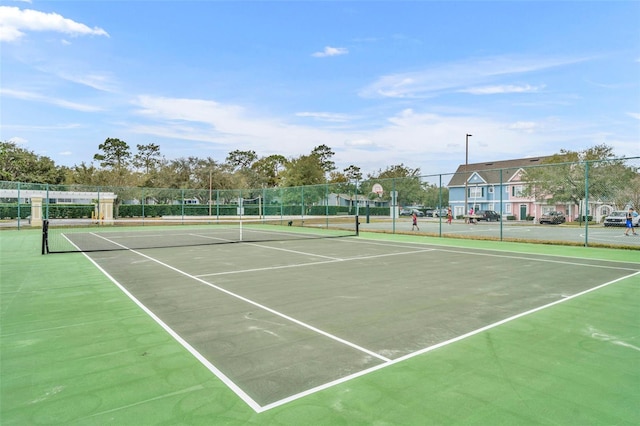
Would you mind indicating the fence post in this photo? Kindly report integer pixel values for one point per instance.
(19, 216)
(440, 207)
(394, 202)
(586, 200)
(501, 204)
(182, 203)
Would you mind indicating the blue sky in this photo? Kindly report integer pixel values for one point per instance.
(381, 83)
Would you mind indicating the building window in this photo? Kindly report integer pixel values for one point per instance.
(491, 190)
(507, 209)
(516, 190)
(476, 192)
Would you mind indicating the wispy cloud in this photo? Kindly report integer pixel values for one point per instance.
(15, 22)
(30, 96)
(326, 116)
(523, 126)
(101, 82)
(502, 89)
(362, 142)
(635, 115)
(458, 76)
(18, 140)
(331, 51)
(21, 127)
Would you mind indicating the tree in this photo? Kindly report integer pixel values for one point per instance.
(571, 176)
(324, 154)
(353, 173)
(114, 159)
(115, 154)
(82, 174)
(18, 164)
(268, 169)
(346, 182)
(148, 157)
(241, 159)
(432, 194)
(630, 195)
(402, 179)
(304, 170)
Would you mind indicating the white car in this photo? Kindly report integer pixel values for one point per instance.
(619, 218)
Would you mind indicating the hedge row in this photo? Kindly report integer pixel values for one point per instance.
(159, 210)
(78, 211)
(10, 211)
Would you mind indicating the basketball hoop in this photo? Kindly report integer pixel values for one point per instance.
(377, 189)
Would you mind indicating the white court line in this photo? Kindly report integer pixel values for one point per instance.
(388, 362)
(298, 265)
(472, 251)
(296, 252)
(274, 248)
(245, 397)
(219, 374)
(436, 346)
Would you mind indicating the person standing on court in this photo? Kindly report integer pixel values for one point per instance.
(629, 224)
(449, 215)
(414, 218)
(471, 218)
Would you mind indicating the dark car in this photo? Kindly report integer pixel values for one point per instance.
(553, 218)
(488, 215)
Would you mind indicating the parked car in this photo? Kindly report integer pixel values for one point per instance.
(409, 212)
(440, 213)
(553, 218)
(488, 215)
(619, 218)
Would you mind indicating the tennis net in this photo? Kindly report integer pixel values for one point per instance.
(88, 235)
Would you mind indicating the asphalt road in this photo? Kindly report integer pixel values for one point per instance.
(509, 230)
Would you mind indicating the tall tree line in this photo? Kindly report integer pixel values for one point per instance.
(116, 164)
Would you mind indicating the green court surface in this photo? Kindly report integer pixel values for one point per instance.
(376, 329)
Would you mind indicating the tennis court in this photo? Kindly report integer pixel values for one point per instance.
(279, 320)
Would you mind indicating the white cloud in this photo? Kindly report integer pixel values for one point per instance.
(523, 126)
(635, 115)
(43, 128)
(101, 82)
(331, 51)
(18, 140)
(30, 96)
(502, 89)
(364, 142)
(427, 140)
(457, 76)
(15, 22)
(325, 116)
(211, 121)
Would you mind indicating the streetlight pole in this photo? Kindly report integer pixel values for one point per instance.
(466, 178)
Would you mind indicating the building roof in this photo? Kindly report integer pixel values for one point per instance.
(489, 171)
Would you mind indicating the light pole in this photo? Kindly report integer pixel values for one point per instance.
(466, 178)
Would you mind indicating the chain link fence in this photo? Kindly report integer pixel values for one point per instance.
(578, 203)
